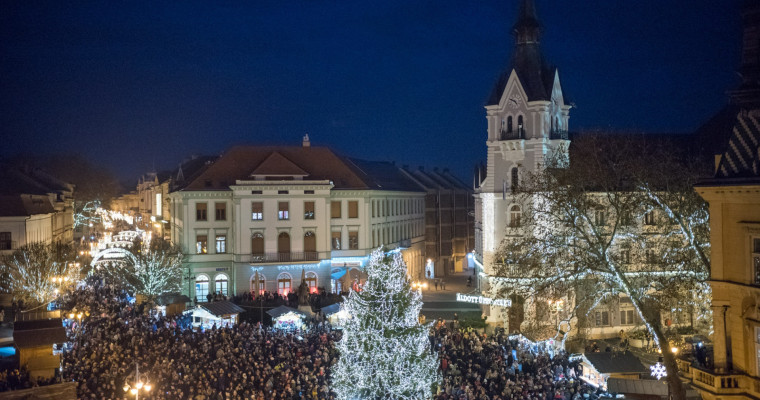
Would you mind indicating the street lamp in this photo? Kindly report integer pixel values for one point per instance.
(137, 385)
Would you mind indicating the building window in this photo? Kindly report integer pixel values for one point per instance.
(335, 209)
(756, 259)
(283, 246)
(284, 282)
(509, 124)
(201, 211)
(221, 244)
(257, 244)
(520, 127)
(282, 210)
(353, 209)
(353, 240)
(649, 218)
(602, 318)
(515, 180)
(201, 287)
(514, 216)
(335, 240)
(258, 289)
(221, 211)
(308, 210)
(600, 217)
(310, 245)
(201, 244)
(626, 317)
(625, 256)
(220, 284)
(257, 211)
(650, 256)
(311, 281)
(6, 243)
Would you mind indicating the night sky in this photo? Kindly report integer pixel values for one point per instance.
(134, 84)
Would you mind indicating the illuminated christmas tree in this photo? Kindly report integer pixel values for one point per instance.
(385, 352)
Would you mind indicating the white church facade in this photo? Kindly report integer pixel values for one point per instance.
(528, 119)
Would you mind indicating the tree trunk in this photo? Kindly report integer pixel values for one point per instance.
(677, 390)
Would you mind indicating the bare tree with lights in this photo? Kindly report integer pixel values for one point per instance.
(385, 351)
(36, 272)
(621, 219)
(151, 270)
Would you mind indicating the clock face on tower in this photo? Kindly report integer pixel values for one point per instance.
(514, 100)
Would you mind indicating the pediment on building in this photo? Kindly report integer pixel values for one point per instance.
(514, 96)
(277, 165)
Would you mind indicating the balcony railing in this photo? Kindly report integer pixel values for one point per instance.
(285, 257)
(558, 134)
(512, 135)
(717, 383)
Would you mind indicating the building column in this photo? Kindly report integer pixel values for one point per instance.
(721, 338)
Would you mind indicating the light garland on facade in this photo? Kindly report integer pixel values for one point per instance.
(385, 352)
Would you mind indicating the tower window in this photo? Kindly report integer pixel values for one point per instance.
(515, 180)
(509, 124)
(520, 127)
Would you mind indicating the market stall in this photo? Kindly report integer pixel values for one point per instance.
(287, 318)
(219, 313)
(335, 315)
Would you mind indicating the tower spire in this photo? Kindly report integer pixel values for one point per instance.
(527, 29)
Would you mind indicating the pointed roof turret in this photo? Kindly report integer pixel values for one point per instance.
(527, 29)
(536, 75)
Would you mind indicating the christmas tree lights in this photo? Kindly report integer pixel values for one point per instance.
(385, 352)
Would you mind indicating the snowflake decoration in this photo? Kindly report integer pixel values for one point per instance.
(658, 370)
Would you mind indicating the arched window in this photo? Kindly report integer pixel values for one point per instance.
(283, 246)
(514, 216)
(220, 284)
(515, 180)
(509, 124)
(311, 281)
(284, 283)
(258, 289)
(257, 244)
(520, 127)
(310, 245)
(201, 287)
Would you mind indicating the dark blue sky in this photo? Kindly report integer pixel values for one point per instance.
(132, 84)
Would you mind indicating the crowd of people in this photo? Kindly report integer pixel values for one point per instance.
(477, 366)
(248, 361)
(245, 361)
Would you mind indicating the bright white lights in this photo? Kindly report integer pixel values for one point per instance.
(384, 352)
(658, 370)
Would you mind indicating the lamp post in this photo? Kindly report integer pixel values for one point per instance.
(189, 278)
(137, 385)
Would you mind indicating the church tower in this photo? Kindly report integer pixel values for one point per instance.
(527, 125)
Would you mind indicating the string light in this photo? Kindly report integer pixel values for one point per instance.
(385, 352)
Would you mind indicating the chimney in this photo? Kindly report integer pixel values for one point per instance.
(306, 142)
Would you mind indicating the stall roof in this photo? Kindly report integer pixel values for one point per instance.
(172, 298)
(38, 333)
(282, 310)
(615, 362)
(221, 308)
(331, 309)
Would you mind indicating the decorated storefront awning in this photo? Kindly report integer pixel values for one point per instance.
(338, 273)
